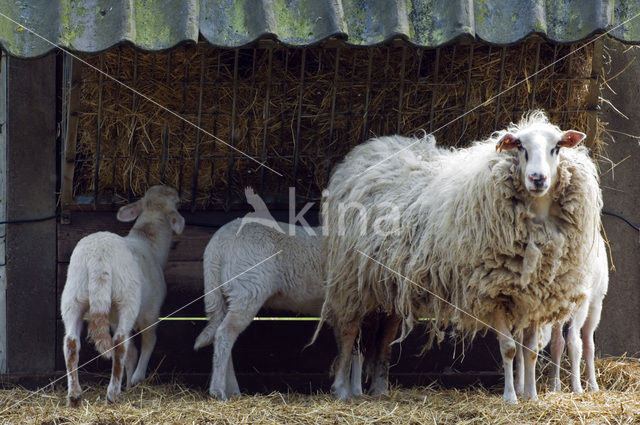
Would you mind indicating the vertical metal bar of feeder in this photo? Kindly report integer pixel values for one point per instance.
(216, 115)
(401, 88)
(467, 90)
(367, 96)
(165, 126)
(385, 113)
(73, 81)
(503, 56)
(278, 198)
(265, 118)
(594, 93)
(296, 146)
(535, 76)
(96, 170)
(569, 80)
(333, 114)
(196, 155)
(185, 81)
(434, 91)
(234, 95)
(521, 67)
(552, 72)
(117, 138)
(132, 138)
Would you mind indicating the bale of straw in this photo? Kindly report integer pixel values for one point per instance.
(299, 111)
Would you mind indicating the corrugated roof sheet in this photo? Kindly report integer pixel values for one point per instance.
(95, 25)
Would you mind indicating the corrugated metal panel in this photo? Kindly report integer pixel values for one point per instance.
(95, 25)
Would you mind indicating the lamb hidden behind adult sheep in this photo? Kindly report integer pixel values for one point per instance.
(491, 236)
(119, 281)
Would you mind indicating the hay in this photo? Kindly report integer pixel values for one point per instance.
(174, 403)
(314, 114)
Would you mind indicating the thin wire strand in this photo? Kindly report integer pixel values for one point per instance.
(139, 332)
(76, 57)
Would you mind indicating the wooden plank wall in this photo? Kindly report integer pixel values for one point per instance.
(269, 355)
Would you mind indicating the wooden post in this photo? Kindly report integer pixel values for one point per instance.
(31, 193)
(3, 214)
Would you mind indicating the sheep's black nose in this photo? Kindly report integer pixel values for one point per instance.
(537, 179)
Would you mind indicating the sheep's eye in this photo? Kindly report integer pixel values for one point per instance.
(522, 149)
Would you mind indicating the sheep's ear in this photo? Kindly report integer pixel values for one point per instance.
(508, 141)
(571, 138)
(176, 221)
(130, 212)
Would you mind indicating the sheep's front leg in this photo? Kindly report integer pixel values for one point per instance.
(388, 332)
(507, 351)
(130, 362)
(519, 378)
(231, 381)
(345, 336)
(356, 371)
(589, 327)
(148, 342)
(557, 347)
(530, 354)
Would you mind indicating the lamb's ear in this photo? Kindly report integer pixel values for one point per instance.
(176, 221)
(571, 138)
(130, 212)
(508, 141)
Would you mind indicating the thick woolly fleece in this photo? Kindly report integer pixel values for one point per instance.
(467, 241)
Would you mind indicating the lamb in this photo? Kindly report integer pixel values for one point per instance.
(240, 277)
(119, 282)
(491, 236)
(584, 319)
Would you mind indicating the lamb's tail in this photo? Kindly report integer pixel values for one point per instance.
(100, 279)
(215, 305)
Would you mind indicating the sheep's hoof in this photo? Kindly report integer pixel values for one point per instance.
(218, 394)
(592, 388)
(74, 401)
(111, 398)
(510, 398)
(378, 392)
(341, 393)
(136, 379)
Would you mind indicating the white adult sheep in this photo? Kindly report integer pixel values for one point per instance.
(493, 235)
(119, 281)
(247, 266)
(584, 320)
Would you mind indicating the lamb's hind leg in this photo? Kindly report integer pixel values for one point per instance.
(388, 331)
(507, 351)
(238, 317)
(121, 341)
(72, 317)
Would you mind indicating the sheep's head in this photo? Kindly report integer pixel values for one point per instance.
(538, 148)
(162, 200)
